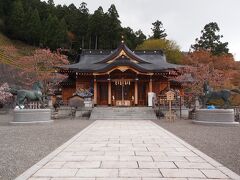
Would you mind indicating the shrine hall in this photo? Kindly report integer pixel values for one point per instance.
(120, 77)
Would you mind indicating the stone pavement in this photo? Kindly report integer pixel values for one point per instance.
(127, 149)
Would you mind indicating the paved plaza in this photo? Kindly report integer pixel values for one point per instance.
(127, 149)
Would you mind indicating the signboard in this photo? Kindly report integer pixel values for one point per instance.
(170, 95)
(169, 115)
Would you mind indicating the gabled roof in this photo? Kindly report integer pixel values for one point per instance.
(103, 61)
(123, 52)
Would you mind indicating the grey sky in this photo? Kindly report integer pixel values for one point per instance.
(182, 19)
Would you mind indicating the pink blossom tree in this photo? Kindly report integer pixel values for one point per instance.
(41, 67)
(5, 95)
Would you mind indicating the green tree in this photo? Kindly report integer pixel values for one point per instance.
(96, 27)
(129, 37)
(114, 27)
(210, 40)
(140, 37)
(82, 24)
(43, 9)
(158, 31)
(83, 8)
(51, 2)
(33, 28)
(50, 36)
(61, 11)
(170, 48)
(1, 16)
(62, 33)
(71, 13)
(16, 21)
(1, 9)
(5, 8)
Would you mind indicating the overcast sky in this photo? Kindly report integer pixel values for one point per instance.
(182, 19)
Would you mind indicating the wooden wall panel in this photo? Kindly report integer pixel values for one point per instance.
(159, 86)
(67, 92)
(156, 87)
(80, 84)
(163, 86)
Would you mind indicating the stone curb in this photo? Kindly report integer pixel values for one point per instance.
(29, 172)
(208, 123)
(31, 122)
(213, 162)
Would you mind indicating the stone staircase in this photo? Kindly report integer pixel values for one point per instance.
(123, 113)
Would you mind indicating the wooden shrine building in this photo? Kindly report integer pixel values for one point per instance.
(119, 78)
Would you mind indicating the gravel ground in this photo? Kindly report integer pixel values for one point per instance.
(220, 143)
(22, 146)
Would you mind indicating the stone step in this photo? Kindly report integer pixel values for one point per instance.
(123, 113)
(119, 117)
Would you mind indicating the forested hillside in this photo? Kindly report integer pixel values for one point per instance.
(45, 24)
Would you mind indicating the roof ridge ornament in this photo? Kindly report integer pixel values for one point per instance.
(122, 37)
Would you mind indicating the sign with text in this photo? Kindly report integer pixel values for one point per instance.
(170, 95)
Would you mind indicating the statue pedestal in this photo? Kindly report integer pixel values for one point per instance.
(26, 116)
(222, 117)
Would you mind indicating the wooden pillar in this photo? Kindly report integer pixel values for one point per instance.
(109, 93)
(169, 85)
(95, 92)
(136, 93)
(150, 85)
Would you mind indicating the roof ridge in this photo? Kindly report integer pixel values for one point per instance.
(122, 50)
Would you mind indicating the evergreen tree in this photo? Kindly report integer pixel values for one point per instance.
(140, 37)
(51, 7)
(51, 33)
(96, 27)
(62, 33)
(1, 15)
(51, 3)
(83, 8)
(43, 10)
(210, 40)
(61, 11)
(129, 37)
(158, 31)
(27, 25)
(34, 28)
(38, 22)
(5, 8)
(71, 17)
(114, 27)
(80, 24)
(16, 21)
(1, 9)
